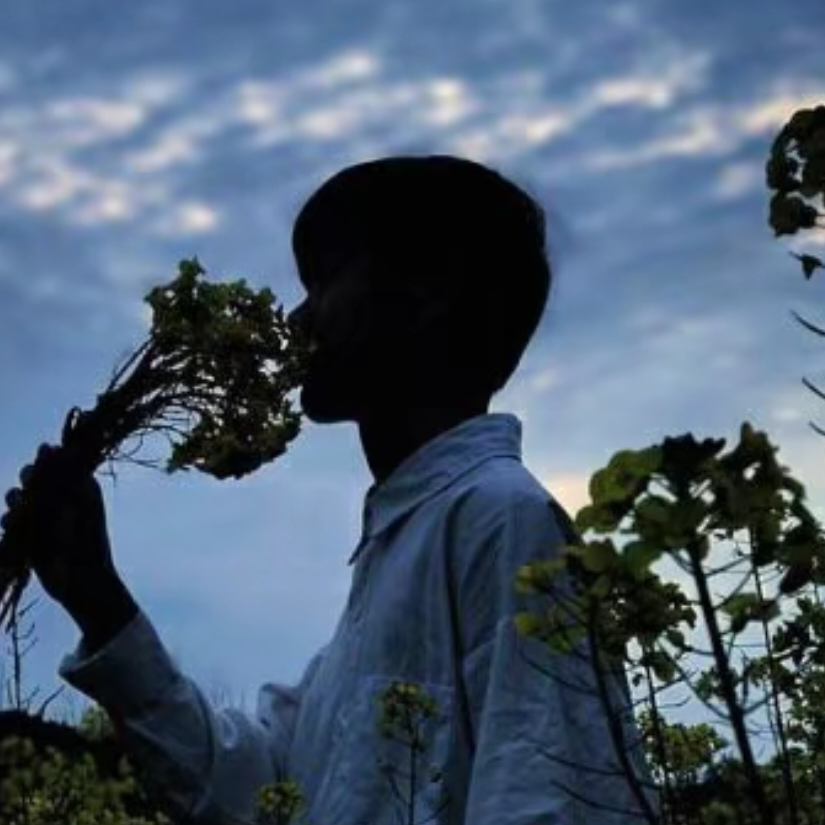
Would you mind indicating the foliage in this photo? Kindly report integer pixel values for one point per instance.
(404, 708)
(795, 173)
(676, 501)
(61, 782)
(671, 498)
(688, 750)
(213, 377)
(280, 803)
(44, 786)
(95, 724)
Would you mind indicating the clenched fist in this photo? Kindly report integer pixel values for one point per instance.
(58, 517)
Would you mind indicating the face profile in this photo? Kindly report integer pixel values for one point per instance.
(358, 333)
(426, 278)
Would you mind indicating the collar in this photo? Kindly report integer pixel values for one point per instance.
(435, 466)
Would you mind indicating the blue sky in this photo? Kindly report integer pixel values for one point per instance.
(134, 135)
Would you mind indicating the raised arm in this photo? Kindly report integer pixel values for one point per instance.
(200, 763)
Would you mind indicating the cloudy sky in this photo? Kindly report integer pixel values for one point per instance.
(134, 135)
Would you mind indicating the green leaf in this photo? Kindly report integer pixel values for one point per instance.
(740, 603)
(599, 556)
(790, 214)
(565, 638)
(625, 476)
(537, 576)
(602, 519)
(802, 123)
(747, 607)
(661, 664)
(528, 624)
(639, 555)
(796, 577)
(604, 487)
(780, 172)
(654, 509)
(600, 588)
(685, 460)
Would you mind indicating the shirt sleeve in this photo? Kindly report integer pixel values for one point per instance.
(200, 763)
(543, 750)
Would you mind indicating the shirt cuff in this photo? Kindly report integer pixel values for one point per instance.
(129, 675)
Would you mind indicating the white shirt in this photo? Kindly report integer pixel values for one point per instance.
(431, 603)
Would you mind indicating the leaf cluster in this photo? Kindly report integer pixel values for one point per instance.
(214, 377)
(42, 789)
(672, 499)
(795, 172)
(221, 358)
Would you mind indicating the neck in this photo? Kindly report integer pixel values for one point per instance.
(388, 439)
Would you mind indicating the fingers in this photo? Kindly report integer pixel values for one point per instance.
(7, 518)
(13, 499)
(13, 496)
(45, 450)
(46, 456)
(25, 474)
(45, 453)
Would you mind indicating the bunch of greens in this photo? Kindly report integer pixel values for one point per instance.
(213, 378)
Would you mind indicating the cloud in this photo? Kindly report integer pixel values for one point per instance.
(670, 77)
(172, 149)
(77, 122)
(189, 219)
(649, 123)
(706, 130)
(737, 179)
(350, 96)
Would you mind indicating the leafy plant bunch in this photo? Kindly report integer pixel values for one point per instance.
(213, 377)
(701, 494)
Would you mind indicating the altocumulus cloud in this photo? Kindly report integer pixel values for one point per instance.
(131, 137)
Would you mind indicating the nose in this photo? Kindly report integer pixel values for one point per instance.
(297, 317)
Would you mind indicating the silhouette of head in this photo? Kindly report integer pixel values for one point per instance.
(426, 278)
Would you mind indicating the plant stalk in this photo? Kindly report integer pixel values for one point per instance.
(735, 711)
(787, 773)
(613, 723)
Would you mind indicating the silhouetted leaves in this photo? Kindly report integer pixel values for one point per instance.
(810, 263)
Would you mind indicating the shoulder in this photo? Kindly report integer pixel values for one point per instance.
(500, 520)
(499, 494)
(503, 510)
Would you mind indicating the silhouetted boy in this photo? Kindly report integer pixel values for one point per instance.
(426, 279)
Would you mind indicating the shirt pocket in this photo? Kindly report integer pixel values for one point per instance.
(373, 771)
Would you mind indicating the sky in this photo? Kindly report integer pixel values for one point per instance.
(135, 135)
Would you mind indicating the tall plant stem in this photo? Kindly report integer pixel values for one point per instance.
(735, 711)
(819, 732)
(787, 773)
(659, 736)
(613, 722)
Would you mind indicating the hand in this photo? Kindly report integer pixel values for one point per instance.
(58, 516)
